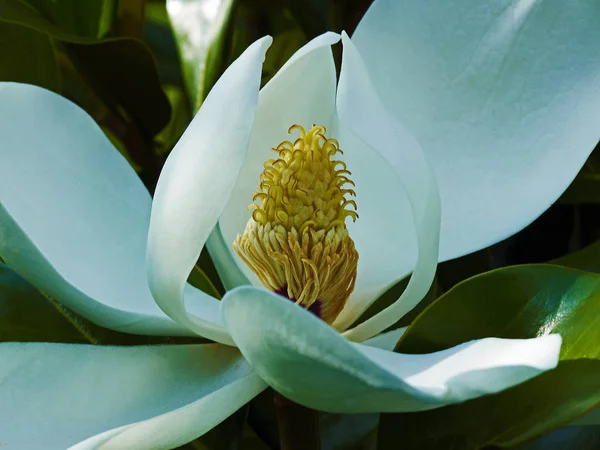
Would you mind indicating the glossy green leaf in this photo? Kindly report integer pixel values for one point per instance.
(200, 28)
(513, 302)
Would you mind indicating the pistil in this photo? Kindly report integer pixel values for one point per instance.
(296, 241)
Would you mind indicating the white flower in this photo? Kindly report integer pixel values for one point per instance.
(76, 222)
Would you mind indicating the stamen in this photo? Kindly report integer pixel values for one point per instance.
(297, 242)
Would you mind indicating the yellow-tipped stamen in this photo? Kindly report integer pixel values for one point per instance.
(296, 241)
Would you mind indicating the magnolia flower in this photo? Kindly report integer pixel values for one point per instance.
(77, 223)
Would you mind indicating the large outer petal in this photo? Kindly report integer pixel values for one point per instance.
(306, 360)
(302, 92)
(73, 214)
(196, 183)
(401, 208)
(503, 96)
(54, 396)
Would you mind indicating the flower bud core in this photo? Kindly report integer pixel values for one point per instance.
(296, 241)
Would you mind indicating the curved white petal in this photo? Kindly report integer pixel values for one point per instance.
(54, 396)
(182, 425)
(227, 267)
(384, 233)
(196, 183)
(387, 340)
(503, 96)
(361, 111)
(302, 92)
(73, 214)
(310, 363)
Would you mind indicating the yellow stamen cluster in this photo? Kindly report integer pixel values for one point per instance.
(296, 241)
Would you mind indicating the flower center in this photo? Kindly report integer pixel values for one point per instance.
(296, 241)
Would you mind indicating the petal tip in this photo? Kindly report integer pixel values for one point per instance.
(554, 342)
(266, 41)
(333, 36)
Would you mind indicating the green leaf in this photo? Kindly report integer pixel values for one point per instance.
(123, 72)
(566, 438)
(28, 56)
(513, 302)
(312, 15)
(130, 18)
(450, 273)
(200, 28)
(199, 280)
(156, 12)
(180, 118)
(284, 46)
(391, 295)
(158, 35)
(89, 18)
(120, 72)
(584, 189)
(27, 316)
(588, 259)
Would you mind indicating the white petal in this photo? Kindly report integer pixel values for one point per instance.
(361, 110)
(196, 183)
(73, 214)
(302, 92)
(503, 96)
(387, 340)
(54, 396)
(227, 267)
(181, 425)
(310, 363)
(384, 234)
